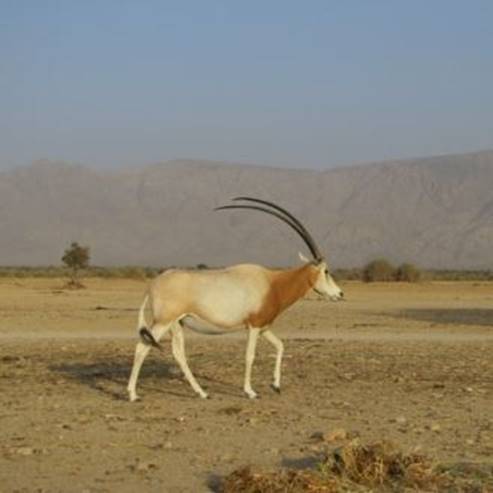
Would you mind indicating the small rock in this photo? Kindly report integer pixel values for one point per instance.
(335, 435)
(436, 428)
(25, 451)
(230, 410)
(9, 359)
(145, 466)
(318, 436)
(470, 442)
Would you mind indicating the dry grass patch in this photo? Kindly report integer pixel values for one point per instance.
(355, 467)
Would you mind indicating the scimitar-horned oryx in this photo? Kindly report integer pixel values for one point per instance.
(241, 296)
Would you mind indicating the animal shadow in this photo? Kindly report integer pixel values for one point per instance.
(111, 377)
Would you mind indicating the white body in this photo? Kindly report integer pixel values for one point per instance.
(224, 297)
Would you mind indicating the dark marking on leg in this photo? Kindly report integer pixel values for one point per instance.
(148, 338)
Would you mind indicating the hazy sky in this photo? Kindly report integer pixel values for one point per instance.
(290, 83)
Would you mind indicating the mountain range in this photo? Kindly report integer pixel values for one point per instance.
(436, 212)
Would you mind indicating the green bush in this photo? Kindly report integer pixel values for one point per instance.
(407, 273)
(378, 270)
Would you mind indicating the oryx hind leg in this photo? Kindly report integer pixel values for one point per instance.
(178, 347)
(141, 350)
(277, 343)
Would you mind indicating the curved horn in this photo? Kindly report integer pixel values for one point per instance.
(295, 226)
(306, 235)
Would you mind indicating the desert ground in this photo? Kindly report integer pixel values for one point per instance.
(409, 363)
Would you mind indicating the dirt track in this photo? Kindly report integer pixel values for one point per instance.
(409, 363)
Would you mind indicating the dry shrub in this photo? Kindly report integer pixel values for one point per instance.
(358, 468)
(379, 270)
(379, 464)
(285, 481)
(408, 273)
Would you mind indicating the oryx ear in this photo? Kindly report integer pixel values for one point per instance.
(303, 258)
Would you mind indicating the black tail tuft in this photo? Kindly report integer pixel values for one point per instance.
(148, 338)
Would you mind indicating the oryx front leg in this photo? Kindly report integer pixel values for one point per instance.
(277, 343)
(250, 357)
(141, 350)
(178, 347)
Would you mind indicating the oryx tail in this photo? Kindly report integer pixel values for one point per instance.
(144, 333)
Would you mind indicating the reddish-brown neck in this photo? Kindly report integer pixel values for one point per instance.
(291, 285)
(287, 287)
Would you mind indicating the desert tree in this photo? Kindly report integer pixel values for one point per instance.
(378, 270)
(408, 273)
(76, 257)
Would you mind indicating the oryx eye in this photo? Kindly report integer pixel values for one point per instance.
(326, 272)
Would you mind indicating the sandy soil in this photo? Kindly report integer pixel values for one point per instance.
(408, 363)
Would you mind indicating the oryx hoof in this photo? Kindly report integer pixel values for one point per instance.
(204, 395)
(275, 388)
(133, 398)
(251, 394)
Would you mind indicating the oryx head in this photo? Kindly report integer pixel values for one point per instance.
(324, 284)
